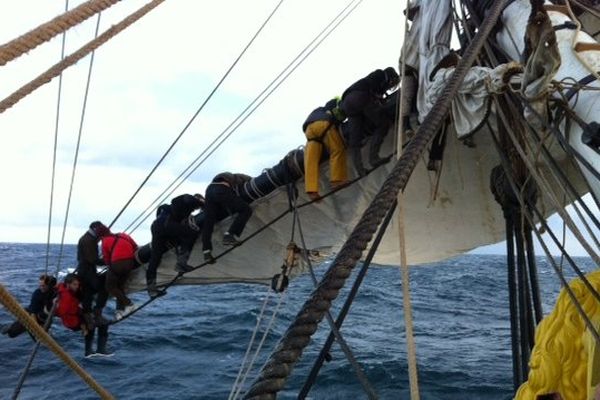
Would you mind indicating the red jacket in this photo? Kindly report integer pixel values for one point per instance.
(117, 247)
(68, 307)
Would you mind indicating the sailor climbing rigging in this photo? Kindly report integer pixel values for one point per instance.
(322, 130)
(70, 311)
(362, 104)
(93, 283)
(222, 200)
(171, 229)
(118, 252)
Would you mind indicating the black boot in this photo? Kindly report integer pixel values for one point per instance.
(102, 348)
(89, 340)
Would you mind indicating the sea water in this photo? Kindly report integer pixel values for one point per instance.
(189, 344)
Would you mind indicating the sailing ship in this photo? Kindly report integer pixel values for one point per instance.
(496, 148)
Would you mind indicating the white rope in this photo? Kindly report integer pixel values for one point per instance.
(258, 321)
(411, 351)
(259, 347)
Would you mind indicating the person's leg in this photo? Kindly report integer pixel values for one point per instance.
(243, 210)
(312, 157)
(210, 218)
(14, 329)
(115, 281)
(102, 347)
(337, 157)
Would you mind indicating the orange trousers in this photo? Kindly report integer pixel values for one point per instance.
(332, 140)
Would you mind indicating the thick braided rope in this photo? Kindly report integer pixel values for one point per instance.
(281, 362)
(57, 68)
(43, 33)
(40, 334)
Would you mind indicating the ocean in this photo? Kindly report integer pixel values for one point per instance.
(189, 344)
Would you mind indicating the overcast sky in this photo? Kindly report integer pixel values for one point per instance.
(148, 81)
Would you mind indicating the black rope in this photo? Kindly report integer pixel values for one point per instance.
(523, 300)
(540, 216)
(56, 124)
(533, 276)
(362, 378)
(253, 106)
(323, 354)
(512, 301)
(189, 123)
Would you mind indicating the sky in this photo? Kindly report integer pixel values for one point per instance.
(146, 84)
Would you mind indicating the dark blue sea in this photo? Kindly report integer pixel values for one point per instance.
(190, 343)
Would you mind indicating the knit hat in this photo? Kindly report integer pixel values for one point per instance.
(99, 229)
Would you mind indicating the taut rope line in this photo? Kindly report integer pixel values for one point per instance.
(43, 33)
(56, 69)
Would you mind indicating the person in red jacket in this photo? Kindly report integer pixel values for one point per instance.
(70, 312)
(118, 252)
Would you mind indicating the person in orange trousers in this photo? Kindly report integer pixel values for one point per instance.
(322, 130)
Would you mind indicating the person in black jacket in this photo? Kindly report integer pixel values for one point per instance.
(221, 197)
(362, 103)
(39, 306)
(172, 229)
(93, 283)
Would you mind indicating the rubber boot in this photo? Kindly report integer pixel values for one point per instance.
(102, 348)
(89, 340)
(356, 155)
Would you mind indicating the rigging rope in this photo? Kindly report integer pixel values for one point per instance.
(60, 24)
(312, 376)
(362, 378)
(276, 371)
(285, 74)
(51, 314)
(250, 364)
(56, 124)
(13, 306)
(189, 123)
(36, 347)
(505, 163)
(76, 156)
(234, 389)
(71, 59)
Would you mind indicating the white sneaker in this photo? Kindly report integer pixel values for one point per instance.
(129, 309)
(119, 314)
